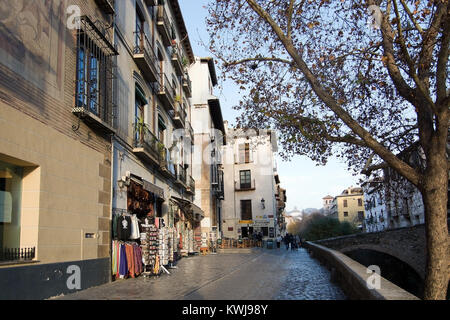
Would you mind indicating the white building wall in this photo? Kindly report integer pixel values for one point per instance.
(262, 173)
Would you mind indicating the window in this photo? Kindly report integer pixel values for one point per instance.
(139, 34)
(360, 202)
(244, 153)
(245, 179)
(10, 198)
(345, 214)
(161, 129)
(345, 203)
(360, 215)
(90, 78)
(246, 209)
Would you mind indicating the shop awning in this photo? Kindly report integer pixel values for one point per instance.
(190, 208)
(150, 187)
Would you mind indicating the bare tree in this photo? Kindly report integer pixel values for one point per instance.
(360, 79)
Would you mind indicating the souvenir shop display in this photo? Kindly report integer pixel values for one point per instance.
(191, 241)
(149, 245)
(172, 245)
(136, 235)
(163, 238)
(126, 259)
(204, 240)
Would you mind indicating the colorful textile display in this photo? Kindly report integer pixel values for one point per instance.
(126, 260)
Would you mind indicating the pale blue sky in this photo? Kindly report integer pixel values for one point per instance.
(306, 183)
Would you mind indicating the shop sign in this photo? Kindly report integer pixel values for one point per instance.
(261, 223)
(245, 221)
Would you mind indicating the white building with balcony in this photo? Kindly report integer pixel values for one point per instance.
(250, 205)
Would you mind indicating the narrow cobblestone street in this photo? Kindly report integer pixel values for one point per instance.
(251, 275)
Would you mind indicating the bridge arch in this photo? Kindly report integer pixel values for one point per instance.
(397, 269)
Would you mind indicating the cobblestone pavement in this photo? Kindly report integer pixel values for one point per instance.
(256, 274)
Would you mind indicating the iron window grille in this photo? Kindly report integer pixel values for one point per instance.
(95, 70)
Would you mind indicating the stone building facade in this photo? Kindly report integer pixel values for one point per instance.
(56, 112)
(209, 138)
(154, 136)
(349, 206)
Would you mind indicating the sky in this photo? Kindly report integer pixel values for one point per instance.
(305, 182)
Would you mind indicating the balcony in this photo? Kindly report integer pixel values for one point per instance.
(187, 85)
(164, 26)
(181, 176)
(190, 131)
(238, 186)
(166, 164)
(165, 92)
(144, 56)
(190, 186)
(179, 117)
(177, 60)
(106, 5)
(145, 144)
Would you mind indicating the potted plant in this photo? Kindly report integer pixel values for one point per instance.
(140, 129)
(184, 61)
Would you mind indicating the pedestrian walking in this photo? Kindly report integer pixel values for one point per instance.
(287, 241)
(278, 242)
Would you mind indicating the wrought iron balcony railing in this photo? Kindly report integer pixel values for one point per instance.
(106, 5)
(187, 85)
(240, 186)
(177, 60)
(166, 92)
(190, 185)
(145, 143)
(181, 174)
(164, 26)
(179, 117)
(145, 57)
(166, 163)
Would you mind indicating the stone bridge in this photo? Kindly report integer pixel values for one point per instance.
(400, 253)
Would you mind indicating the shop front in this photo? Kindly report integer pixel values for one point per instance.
(143, 242)
(189, 226)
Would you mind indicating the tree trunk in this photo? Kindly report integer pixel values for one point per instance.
(434, 195)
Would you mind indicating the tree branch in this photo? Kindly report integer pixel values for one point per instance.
(289, 22)
(411, 17)
(429, 41)
(399, 165)
(259, 59)
(441, 68)
(410, 62)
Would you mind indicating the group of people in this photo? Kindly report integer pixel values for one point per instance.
(291, 241)
(257, 237)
